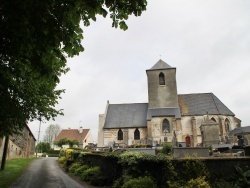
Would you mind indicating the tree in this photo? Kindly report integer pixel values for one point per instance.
(36, 37)
(72, 143)
(43, 147)
(65, 141)
(50, 134)
(61, 142)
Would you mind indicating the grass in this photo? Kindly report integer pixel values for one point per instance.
(13, 170)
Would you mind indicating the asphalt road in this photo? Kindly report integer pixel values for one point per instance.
(45, 173)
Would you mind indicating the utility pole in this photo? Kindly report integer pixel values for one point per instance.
(38, 135)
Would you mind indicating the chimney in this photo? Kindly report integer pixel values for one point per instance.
(80, 130)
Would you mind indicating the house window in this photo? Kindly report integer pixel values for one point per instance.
(137, 134)
(161, 79)
(165, 126)
(120, 135)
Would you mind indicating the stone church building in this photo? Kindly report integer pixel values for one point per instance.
(185, 120)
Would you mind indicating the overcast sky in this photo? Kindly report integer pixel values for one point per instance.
(207, 41)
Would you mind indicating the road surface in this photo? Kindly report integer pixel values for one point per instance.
(45, 173)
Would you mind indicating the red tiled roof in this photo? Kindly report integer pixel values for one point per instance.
(72, 134)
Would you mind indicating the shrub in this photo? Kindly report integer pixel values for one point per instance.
(242, 179)
(78, 171)
(199, 182)
(62, 160)
(73, 167)
(166, 149)
(222, 183)
(69, 154)
(142, 182)
(93, 176)
(62, 153)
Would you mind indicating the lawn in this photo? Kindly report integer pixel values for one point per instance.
(13, 170)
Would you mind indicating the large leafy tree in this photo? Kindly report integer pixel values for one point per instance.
(36, 37)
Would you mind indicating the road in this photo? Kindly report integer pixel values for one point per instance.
(45, 173)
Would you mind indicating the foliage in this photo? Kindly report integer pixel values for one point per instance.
(199, 182)
(51, 132)
(65, 141)
(13, 169)
(242, 178)
(166, 148)
(69, 154)
(73, 167)
(62, 160)
(139, 145)
(222, 183)
(62, 153)
(80, 170)
(73, 143)
(93, 176)
(133, 166)
(61, 142)
(141, 182)
(43, 147)
(36, 37)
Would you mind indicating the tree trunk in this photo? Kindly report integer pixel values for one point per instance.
(5, 149)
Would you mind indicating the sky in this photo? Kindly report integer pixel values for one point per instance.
(207, 41)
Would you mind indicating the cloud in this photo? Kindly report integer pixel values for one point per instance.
(207, 41)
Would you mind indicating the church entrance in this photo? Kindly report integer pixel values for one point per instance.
(188, 141)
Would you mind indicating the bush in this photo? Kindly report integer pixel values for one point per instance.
(222, 183)
(199, 182)
(93, 176)
(142, 182)
(166, 149)
(62, 160)
(73, 167)
(78, 171)
(62, 153)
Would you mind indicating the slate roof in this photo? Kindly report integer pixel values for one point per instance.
(161, 65)
(163, 112)
(201, 104)
(126, 115)
(135, 115)
(72, 134)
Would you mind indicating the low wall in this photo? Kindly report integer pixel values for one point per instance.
(150, 151)
(180, 152)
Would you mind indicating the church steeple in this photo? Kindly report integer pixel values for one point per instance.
(161, 65)
(162, 89)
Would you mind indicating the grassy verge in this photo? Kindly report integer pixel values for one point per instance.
(13, 170)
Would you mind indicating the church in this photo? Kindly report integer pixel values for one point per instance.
(185, 120)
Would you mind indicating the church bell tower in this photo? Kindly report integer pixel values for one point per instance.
(163, 107)
(162, 89)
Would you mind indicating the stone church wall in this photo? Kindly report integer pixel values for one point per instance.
(188, 130)
(111, 135)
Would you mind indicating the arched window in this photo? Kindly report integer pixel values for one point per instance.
(161, 79)
(227, 125)
(213, 119)
(165, 126)
(120, 135)
(137, 134)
